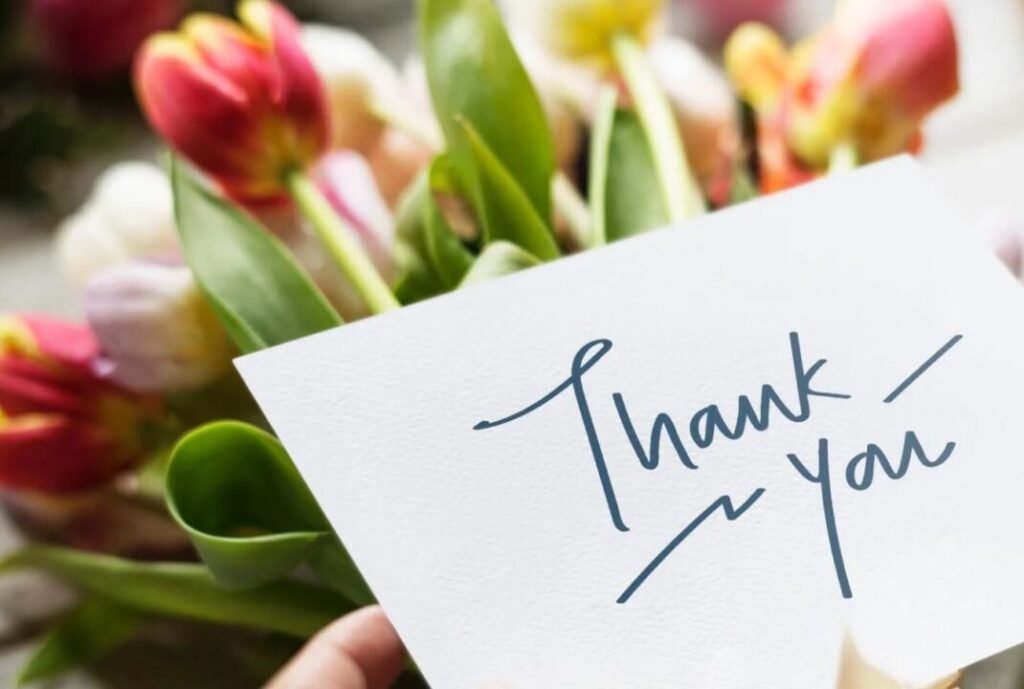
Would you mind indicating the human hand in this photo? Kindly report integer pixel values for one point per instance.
(359, 651)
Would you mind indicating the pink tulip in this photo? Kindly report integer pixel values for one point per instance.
(866, 82)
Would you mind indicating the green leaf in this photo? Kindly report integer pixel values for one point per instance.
(624, 190)
(505, 211)
(186, 590)
(238, 495)
(497, 260)
(432, 259)
(257, 289)
(90, 631)
(476, 76)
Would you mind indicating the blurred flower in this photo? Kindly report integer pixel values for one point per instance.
(357, 78)
(156, 332)
(91, 40)
(702, 101)
(719, 17)
(62, 428)
(855, 672)
(866, 81)
(1003, 230)
(129, 215)
(241, 101)
(560, 80)
(585, 29)
(396, 161)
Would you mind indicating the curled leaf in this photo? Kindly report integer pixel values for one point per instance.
(237, 494)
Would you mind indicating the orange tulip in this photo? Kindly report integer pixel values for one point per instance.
(241, 101)
(62, 428)
(865, 82)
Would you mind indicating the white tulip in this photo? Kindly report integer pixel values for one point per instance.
(156, 331)
(356, 77)
(585, 29)
(130, 214)
(559, 80)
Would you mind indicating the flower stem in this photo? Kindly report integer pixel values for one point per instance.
(569, 203)
(843, 158)
(600, 155)
(342, 244)
(682, 195)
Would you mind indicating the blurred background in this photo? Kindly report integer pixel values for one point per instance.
(64, 118)
(67, 111)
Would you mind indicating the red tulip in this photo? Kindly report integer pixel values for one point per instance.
(241, 101)
(62, 428)
(91, 40)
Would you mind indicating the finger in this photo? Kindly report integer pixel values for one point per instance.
(359, 651)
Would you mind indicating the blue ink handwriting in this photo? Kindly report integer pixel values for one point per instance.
(709, 424)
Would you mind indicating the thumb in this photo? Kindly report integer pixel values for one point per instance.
(359, 651)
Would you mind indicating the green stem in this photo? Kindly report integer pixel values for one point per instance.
(600, 155)
(843, 158)
(573, 209)
(186, 591)
(682, 194)
(342, 244)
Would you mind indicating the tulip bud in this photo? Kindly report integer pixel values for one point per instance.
(156, 332)
(702, 101)
(91, 40)
(63, 429)
(356, 78)
(129, 215)
(584, 29)
(241, 101)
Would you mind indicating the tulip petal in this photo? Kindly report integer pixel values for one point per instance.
(298, 92)
(202, 113)
(68, 344)
(27, 386)
(52, 454)
(756, 60)
(910, 59)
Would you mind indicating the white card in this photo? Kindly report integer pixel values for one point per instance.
(546, 552)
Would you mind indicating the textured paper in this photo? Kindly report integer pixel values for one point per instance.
(495, 551)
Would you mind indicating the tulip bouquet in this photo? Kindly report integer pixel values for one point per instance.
(312, 183)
